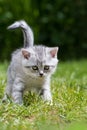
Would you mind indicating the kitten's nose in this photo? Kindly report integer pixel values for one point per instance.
(41, 73)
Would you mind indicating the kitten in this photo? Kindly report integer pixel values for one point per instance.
(31, 68)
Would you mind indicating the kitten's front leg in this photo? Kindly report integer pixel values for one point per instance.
(17, 91)
(46, 95)
(46, 92)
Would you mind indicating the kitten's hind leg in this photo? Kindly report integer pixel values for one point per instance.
(17, 91)
(7, 93)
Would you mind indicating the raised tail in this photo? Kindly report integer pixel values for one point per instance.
(27, 32)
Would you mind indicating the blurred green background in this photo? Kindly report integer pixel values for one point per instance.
(60, 23)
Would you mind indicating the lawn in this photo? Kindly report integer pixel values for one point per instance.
(69, 108)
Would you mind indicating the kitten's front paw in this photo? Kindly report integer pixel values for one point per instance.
(47, 96)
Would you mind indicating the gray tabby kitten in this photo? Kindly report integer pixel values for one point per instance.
(31, 68)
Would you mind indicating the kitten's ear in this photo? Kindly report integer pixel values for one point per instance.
(53, 51)
(25, 53)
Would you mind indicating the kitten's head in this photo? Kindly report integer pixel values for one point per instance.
(39, 61)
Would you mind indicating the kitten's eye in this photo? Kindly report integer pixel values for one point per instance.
(46, 67)
(34, 67)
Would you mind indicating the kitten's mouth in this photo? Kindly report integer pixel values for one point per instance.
(41, 75)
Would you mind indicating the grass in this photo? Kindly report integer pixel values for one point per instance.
(69, 108)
